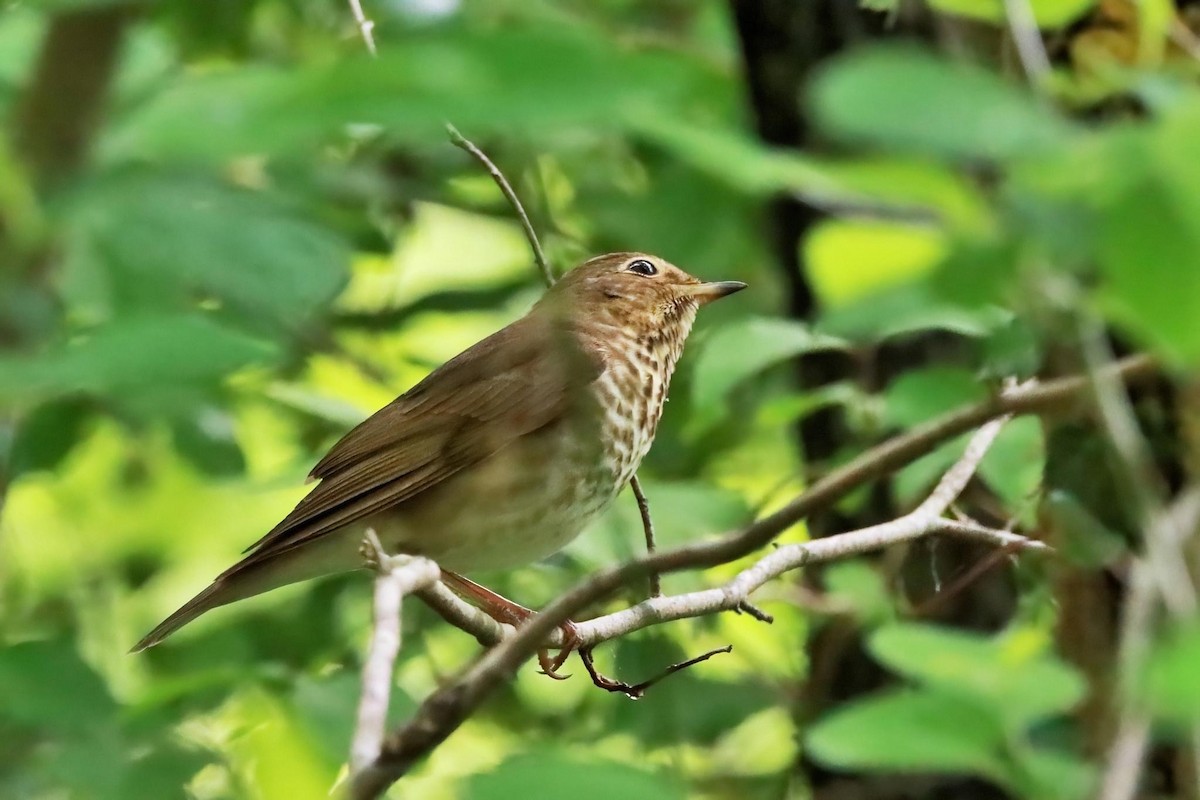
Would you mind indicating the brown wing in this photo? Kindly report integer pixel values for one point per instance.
(516, 381)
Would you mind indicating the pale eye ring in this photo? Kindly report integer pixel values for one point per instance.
(642, 267)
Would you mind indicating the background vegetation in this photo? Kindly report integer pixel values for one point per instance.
(227, 234)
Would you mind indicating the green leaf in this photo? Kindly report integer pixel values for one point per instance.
(487, 79)
(1014, 464)
(1077, 534)
(917, 396)
(44, 684)
(172, 240)
(860, 585)
(47, 434)
(1011, 674)
(588, 780)
(903, 99)
(1151, 258)
(1169, 683)
(133, 353)
(847, 260)
(742, 348)
(1047, 13)
(910, 731)
(906, 309)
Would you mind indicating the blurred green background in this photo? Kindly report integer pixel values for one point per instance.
(227, 234)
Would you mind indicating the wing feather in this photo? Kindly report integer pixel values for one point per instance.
(517, 381)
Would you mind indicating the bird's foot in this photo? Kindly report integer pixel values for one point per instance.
(503, 610)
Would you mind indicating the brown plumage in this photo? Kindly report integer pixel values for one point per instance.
(502, 455)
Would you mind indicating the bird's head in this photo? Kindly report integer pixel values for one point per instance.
(637, 292)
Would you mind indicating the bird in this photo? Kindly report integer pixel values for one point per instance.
(501, 456)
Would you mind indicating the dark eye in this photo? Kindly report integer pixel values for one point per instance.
(642, 267)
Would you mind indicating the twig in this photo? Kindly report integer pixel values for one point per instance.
(506, 188)
(648, 527)
(748, 608)
(365, 26)
(1028, 40)
(397, 576)
(637, 690)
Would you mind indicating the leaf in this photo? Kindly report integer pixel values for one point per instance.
(132, 353)
(905, 99)
(742, 348)
(1014, 464)
(909, 308)
(172, 240)
(762, 744)
(47, 434)
(847, 260)
(1077, 534)
(860, 585)
(1168, 684)
(1010, 674)
(1151, 257)
(527, 79)
(44, 684)
(588, 780)
(909, 731)
(1047, 13)
(920, 395)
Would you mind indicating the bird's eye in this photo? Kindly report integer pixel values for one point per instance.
(642, 267)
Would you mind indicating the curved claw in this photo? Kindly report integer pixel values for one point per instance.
(571, 642)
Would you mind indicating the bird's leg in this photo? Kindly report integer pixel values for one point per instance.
(501, 609)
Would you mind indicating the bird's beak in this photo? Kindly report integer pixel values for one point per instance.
(705, 293)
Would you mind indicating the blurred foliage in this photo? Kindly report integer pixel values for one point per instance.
(270, 237)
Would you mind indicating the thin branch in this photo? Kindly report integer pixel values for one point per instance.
(506, 188)
(397, 576)
(636, 691)
(443, 711)
(366, 27)
(1028, 40)
(648, 527)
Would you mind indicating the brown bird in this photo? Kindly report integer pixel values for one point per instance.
(502, 455)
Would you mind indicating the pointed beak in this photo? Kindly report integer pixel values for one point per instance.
(714, 290)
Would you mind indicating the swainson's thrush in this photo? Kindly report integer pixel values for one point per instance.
(502, 455)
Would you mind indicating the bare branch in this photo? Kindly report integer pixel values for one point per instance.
(397, 577)
(365, 26)
(506, 188)
(443, 711)
(648, 527)
(1028, 40)
(636, 691)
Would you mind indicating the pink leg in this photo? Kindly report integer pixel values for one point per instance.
(503, 610)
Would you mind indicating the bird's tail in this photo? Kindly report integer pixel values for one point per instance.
(217, 594)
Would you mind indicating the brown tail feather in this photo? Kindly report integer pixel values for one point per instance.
(255, 575)
(207, 600)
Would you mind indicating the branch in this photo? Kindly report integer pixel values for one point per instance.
(366, 27)
(506, 188)
(648, 527)
(397, 576)
(445, 709)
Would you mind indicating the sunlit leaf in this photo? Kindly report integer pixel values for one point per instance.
(847, 260)
(1047, 13)
(589, 780)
